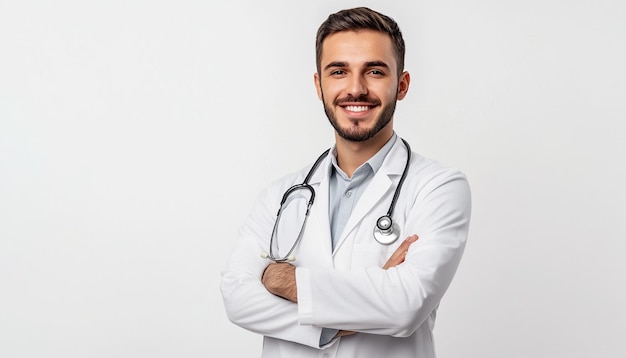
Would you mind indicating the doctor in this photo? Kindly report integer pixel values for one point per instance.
(346, 294)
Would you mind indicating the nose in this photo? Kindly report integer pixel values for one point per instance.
(357, 86)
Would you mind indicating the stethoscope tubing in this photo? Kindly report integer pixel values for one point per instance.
(383, 231)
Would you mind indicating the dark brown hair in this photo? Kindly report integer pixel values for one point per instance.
(361, 18)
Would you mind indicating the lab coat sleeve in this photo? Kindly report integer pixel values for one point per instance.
(398, 300)
(247, 302)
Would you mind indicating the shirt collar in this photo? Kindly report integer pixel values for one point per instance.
(375, 162)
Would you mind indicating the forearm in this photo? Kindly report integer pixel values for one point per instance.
(387, 302)
(249, 305)
(280, 280)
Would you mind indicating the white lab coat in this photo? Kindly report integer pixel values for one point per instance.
(393, 310)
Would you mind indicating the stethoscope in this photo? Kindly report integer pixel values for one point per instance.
(386, 231)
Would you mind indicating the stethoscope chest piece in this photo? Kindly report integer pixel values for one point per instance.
(385, 231)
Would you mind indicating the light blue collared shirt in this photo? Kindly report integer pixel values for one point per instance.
(344, 192)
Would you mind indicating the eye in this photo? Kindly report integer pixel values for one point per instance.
(377, 72)
(338, 73)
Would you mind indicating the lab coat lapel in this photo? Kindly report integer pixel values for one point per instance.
(380, 189)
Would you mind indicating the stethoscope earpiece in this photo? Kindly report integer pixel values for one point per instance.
(290, 258)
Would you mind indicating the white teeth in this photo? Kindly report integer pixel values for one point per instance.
(357, 108)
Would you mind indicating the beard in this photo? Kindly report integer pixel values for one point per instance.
(355, 133)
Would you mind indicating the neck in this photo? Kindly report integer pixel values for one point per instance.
(351, 155)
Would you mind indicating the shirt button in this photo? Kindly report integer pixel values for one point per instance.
(348, 194)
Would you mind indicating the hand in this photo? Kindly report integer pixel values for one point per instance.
(344, 333)
(399, 255)
(396, 259)
(279, 278)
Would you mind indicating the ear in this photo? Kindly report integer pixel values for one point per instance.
(403, 85)
(318, 85)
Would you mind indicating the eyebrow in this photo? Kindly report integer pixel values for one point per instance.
(376, 64)
(336, 64)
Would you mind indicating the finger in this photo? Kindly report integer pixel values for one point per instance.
(345, 333)
(399, 254)
(395, 259)
(404, 246)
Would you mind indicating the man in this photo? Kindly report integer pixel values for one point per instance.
(335, 290)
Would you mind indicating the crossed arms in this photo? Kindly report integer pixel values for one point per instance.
(279, 278)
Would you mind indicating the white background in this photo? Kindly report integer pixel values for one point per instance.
(134, 136)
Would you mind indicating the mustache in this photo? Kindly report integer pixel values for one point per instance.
(352, 99)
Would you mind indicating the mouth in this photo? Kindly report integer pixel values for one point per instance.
(356, 109)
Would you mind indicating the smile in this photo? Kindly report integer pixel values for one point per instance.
(357, 108)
